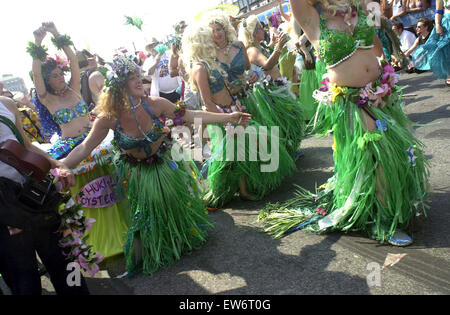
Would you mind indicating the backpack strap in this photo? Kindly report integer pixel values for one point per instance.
(12, 126)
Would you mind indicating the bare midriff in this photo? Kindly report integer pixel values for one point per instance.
(357, 71)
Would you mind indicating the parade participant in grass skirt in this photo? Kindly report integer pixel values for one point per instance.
(63, 111)
(275, 103)
(168, 216)
(219, 75)
(381, 176)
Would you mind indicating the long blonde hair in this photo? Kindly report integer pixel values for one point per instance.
(198, 48)
(247, 29)
(219, 17)
(335, 5)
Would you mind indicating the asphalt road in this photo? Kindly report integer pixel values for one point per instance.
(240, 260)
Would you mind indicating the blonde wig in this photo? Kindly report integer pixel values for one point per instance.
(332, 6)
(220, 18)
(198, 48)
(247, 30)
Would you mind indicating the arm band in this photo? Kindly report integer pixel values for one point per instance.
(441, 12)
(61, 41)
(37, 52)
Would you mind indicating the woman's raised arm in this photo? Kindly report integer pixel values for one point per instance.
(75, 79)
(308, 18)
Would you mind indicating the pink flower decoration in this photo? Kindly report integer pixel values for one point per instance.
(93, 270)
(99, 258)
(88, 223)
(83, 262)
(76, 252)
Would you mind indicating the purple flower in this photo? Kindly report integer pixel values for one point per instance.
(177, 121)
(76, 252)
(83, 262)
(362, 102)
(98, 258)
(93, 270)
(323, 88)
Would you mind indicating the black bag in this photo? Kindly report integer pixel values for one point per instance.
(22, 212)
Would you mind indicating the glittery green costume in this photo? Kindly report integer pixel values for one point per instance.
(350, 200)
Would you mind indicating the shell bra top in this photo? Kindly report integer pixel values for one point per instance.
(218, 84)
(237, 66)
(126, 142)
(336, 46)
(216, 81)
(66, 115)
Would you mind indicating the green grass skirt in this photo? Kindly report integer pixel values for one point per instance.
(348, 201)
(168, 215)
(273, 105)
(225, 169)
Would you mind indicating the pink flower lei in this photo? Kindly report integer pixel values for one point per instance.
(73, 228)
(375, 93)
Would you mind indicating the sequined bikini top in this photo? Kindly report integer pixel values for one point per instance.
(336, 46)
(126, 142)
(66, 115)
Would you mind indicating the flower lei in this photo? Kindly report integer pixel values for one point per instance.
(374, 93)
(179, 112)
(73, 228)
(237, 107)
(377, 93)
(327, 92)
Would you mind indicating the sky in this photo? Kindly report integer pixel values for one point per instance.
(96, 25)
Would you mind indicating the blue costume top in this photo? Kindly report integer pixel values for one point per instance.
(126, 142)
(218, 84)
(237, 66)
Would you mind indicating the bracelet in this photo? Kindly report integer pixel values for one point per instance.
(61, 41)
(441, 12)
(37, 52)
(180, 110)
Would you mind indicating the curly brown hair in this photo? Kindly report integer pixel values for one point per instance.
(112, 102)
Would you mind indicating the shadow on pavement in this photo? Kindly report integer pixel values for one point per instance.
(442, 112)
(238, 261)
